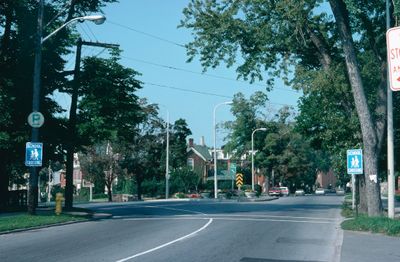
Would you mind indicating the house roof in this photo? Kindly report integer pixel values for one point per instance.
(201, 151)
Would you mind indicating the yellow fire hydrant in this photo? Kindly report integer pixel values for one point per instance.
(59, 200)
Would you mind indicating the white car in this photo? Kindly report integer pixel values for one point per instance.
(284, 191)
(320, 191)
(299, 192)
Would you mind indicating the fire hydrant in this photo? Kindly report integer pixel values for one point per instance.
(59, 200)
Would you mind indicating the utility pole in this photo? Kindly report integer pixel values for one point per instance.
(33, 177)
(69, 186)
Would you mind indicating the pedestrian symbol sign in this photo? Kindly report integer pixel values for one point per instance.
(354, 161)
(33, 154)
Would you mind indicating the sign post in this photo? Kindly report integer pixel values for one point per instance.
(393, 75)
(232, 172)
(239, 180)
(355, 167)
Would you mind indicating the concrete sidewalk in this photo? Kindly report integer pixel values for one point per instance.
(366, 247)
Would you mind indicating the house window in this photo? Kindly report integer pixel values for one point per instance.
(190, 163)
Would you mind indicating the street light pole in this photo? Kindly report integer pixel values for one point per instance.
(33, 178)
(252, 155)
(167, 161)
(215, 147)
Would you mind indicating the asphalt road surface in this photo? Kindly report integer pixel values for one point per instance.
(288, 229)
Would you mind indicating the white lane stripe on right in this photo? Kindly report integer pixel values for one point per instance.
(230, 219)
(167, 244)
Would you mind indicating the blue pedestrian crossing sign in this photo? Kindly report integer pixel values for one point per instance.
(33, 154)
(354, 161)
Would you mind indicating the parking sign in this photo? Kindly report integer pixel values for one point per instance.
(354, 161)
(33, 154)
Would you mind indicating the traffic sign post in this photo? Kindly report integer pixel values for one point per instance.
(239, 180)
(355, 167)
(354, 162)
(393, 75)
(33, 154)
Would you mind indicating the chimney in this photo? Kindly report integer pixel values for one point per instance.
(202, 141)
(190, 142)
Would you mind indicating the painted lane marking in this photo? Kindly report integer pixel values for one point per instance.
(272, 216)
(177, 209)
(227, 219)
(169, 243)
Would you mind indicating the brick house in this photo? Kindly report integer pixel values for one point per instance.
(198, 158)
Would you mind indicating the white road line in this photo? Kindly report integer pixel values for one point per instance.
(272, 220)
(167, 244)
(177, 209)
(263, 216)
(229, 219)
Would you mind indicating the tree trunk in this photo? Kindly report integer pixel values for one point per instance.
(370, 140)
(4, 181)
(139, 188)
(109, 192)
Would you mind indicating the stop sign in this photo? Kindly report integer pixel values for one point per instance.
(393, 56)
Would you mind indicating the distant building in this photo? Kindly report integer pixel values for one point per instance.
(326, 180)
(199, 158)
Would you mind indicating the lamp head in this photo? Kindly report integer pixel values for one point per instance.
(97, 19)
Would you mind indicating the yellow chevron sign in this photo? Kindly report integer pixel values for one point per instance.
(239, 179)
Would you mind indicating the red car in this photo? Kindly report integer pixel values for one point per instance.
(274, 191)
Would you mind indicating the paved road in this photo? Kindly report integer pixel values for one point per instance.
(287, 229)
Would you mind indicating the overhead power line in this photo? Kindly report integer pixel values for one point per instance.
(200, 73)
(146, 34)
(202, 92)
(181, 69)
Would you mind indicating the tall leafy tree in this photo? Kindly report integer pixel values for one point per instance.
(275, 38)
(143, 154)
(109, 107)
(178, 145)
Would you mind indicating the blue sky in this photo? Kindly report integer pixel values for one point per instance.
(147, 32)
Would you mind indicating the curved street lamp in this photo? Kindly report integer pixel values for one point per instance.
(252, 155)
(215, 148)
(97, 19)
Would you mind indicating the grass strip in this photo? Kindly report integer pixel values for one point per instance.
(22, 221)
(382, 225)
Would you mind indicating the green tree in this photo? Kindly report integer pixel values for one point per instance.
(287, 38)
(101, 163)
(184, 179)
(246, 113)
(142, 155)
(178, 145)
(16, 67)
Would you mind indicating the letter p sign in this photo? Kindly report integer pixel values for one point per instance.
(35, 119)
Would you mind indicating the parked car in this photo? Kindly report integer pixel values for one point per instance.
(284, 191)
(340, 191)
(274, 191)
(299, 192)
(320, 191)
